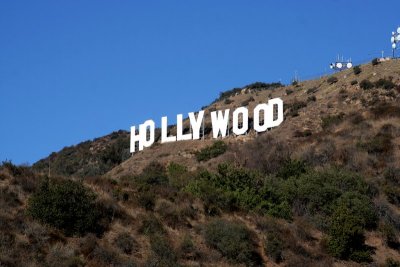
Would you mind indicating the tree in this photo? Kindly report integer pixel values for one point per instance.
(360, 206)
(347, 235)
(66, 205)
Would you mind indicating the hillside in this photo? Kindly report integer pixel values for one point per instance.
(322, 189)
(89, 158)
(317, 112)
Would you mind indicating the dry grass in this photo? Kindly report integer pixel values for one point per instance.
(178, 220)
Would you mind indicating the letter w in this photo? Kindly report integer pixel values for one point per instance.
(220, 122)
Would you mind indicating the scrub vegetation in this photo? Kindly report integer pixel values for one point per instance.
(322, 189)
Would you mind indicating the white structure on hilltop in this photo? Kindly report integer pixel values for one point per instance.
(395, 39)
(341, 64)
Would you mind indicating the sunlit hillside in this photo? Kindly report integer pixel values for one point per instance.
(322, 189)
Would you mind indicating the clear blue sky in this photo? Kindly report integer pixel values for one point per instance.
(75, 70)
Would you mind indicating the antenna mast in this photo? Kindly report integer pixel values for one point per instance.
(395, 39)
(341, 64)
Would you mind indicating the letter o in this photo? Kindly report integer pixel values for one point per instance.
(245, 124)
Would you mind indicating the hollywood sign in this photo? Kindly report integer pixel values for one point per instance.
(263, 119)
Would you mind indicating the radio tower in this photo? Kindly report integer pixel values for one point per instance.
(395, 39)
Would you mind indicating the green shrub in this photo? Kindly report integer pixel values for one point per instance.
(281, 210)
(177, 174)
(289, 91)
(87, 244)
(354, 82)
(366, 84)
(106, 256)
(332, 80)
(392, 185)
(392, 193)
(331, 120)
(304, 133)
(116, 152)
(207, 153)
(347, 235)
(361, 206)
(273, 247)
(311, 98)
(213, 198)
(392, 263)
(187, 246)
(17, 171)
(247, 101)
(7, 240)
(361, 256)
(66, 205)
(384, 109)
(353, 213)
(147, 199)
(357, 70)
(317, 192)
(227, 101)
(392, 175)
(233, 188)
(385, 84)
(379, 144)
(375, 62)
(257, 86)
(233, 240)
(312, 90)
(151, 226)
(126, 243)
(292, 168)
(389, 235)
(295, 107)
(356, 118)
(153, 174)
(9, 198)
(231, 178)
(162, 252)
(262, 85)
(229, 189)
(227, 94)
(238, 187)
(170, 214)
(80, 160)
(63, 256)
